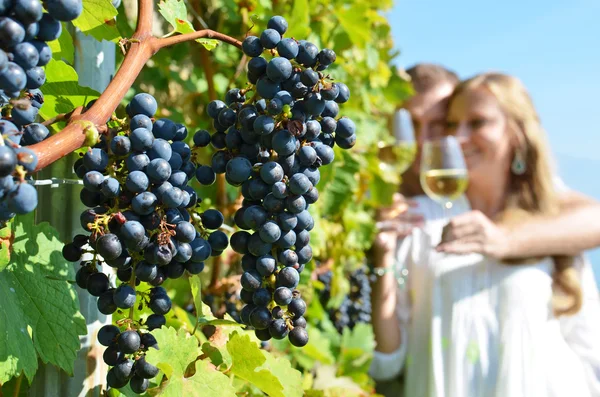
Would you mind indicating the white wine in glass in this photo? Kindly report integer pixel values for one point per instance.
(444, 176)
(397, 157)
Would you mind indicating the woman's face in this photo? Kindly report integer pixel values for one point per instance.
(476, 119)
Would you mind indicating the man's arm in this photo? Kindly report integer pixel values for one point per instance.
(575, 229)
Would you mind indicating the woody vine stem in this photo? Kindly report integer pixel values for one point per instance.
(142, 46)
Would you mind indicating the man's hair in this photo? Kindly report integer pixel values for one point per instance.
(425, 76)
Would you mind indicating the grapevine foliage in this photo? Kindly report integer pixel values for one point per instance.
(150, 225)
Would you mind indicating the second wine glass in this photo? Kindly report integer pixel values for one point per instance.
(444, 176)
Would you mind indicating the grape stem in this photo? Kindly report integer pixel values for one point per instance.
(143, 45)
(63, 116)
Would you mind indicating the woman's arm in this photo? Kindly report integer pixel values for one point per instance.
(386, 324)
(575, 229)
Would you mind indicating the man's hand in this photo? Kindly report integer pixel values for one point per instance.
(395, 222)
(473, 232)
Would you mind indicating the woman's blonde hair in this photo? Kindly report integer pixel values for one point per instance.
(532, 193)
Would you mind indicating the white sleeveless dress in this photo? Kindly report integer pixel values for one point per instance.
(474, 327)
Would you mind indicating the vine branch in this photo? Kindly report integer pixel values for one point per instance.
(200, 34)
(63, 116)
(142, 47)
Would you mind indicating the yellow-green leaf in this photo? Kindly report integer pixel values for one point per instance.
(98, 20)
(62, 48)
(62, 92)
(274, 376)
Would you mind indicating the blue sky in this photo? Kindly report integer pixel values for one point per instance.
(553, 46)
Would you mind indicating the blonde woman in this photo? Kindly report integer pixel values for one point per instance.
(468, 323)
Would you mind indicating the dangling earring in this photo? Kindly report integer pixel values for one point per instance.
(518, 166)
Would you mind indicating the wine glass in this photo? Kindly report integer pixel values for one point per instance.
(444, 176)
(395, 158)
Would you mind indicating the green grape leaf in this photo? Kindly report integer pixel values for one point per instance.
(175, 12)
(6, 241)
(357, 350)
(62, 48)
(274, 376)
(40, 313)
(177, 351)
(356, 24)
(361, 228)
(62, 92)
(299, 20)
(98, 20)
(343, 183)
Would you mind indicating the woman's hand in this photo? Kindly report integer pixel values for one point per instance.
(473, 232)
(395, 222)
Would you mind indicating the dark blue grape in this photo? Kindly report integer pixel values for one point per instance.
(218, 240)
(279, 69)
(201, 250)
(307, 53)
(288, 48)
(239, 241)
(137, 182)
(270, 232)
(269, 38)
(158, 170)
(284, 142)
(140, 121)
(287, 277)
(261, 297)
(344, 93)
(212, 219)
(22, 198)
(13, 79)
(165, 129)
(144, 104)
(144, 203)
(345, 143)
(282, 296)
(124, 297)
(252, 46)
(160, 149)
(202, 138)
(120, 145)
(26, 55)
(278, 23)
(64, 10)
(267, 88)
(238, 170)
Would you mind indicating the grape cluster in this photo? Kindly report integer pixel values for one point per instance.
(356, 306)
(25, 30)
(143, 221)
(17, 195)
(272, 143)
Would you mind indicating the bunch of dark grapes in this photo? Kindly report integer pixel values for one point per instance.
(272, 136)
(143, 221)
(25, 30)
(356, 306)
(17, 195)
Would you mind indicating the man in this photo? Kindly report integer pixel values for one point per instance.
(433, 85)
